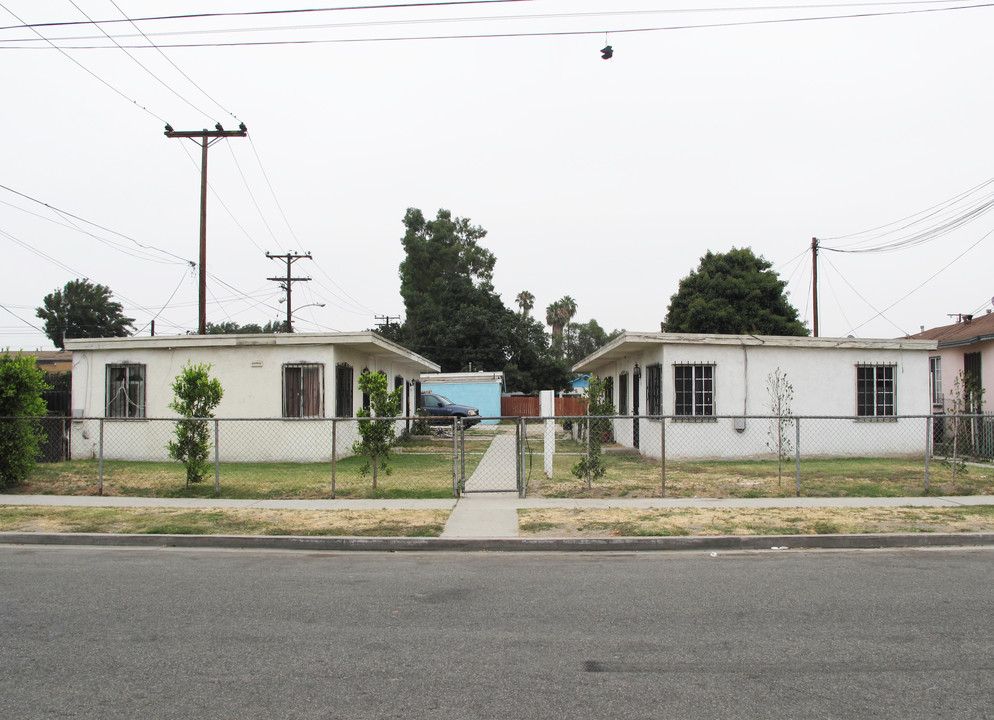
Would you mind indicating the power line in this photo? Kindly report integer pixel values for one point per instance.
(87, 70)
(391, 6)
(169, 60)
(67, 214)
(137, 61)
(564, 33)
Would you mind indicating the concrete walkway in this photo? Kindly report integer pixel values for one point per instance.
(497, 471)
(488, 515)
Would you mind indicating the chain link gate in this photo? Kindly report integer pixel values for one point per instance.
(487, 455)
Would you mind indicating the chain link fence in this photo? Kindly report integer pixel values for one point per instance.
(575, 456)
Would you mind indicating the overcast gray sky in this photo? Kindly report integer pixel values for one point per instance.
(603, 180)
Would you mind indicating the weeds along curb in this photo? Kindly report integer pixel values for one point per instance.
(408, 544)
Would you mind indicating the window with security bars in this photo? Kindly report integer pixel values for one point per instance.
(623, 394)
(343, 390)
(875, 391)
(125, 391)
(609, 389)
(303, 391)
(694, 390)
(654, 389)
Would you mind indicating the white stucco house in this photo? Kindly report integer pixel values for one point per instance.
(280, 384)
(706, 387)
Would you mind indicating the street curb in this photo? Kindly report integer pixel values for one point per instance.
(409, 544)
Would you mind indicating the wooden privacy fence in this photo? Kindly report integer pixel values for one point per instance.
(524, 406)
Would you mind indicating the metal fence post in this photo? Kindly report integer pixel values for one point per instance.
(217, 460)
(662, 450)
(797, 453)
(462, 452)
(587, 430)
(100, 471)
(334, 454)
(522, 432)
(928, 447)
(455, 459)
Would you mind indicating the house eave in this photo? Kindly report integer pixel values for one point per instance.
(629, 343)
(366, 341)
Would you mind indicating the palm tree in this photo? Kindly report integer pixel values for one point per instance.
(553, 313)
(525, 301)
(559, 313)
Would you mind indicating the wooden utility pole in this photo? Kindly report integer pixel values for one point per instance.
(814, 282)
(285, 283)
(206, 138)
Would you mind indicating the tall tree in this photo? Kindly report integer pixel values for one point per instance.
(559, 313)
(83, 309)
(454, 317)
(582, 339)
(733, 293)
(525, 301)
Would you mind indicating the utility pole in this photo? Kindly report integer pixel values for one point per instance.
(206, 138)
(386, 319)
(814, 282)
(285, 283)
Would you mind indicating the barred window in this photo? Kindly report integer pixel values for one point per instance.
(623, 394)
(303, 390)
(875, 390)
(654, 389)
(125, 391)
(343, 390)
(694, 390)
(609, 389)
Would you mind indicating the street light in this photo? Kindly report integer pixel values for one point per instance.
(289, 317)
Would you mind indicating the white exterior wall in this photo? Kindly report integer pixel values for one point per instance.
(823, 376)
(251, 374)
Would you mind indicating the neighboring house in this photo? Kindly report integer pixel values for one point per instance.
(292, 377)
(481, 390)
(51, 361)
(965, 346)
(579, 384)
(697, 379)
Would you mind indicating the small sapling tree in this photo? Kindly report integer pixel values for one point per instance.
(591, 466)
(781, 395)
(376, 437)
(196, 396)
(21, 385)
(967, 398)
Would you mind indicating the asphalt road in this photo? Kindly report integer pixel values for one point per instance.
(136, 633)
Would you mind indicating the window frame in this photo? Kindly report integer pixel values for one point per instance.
(935, 380)
(623, 393)
(694, 397)
(876, 383)
(344, 398)
(139, 405)
(654, 389)
(297, 408)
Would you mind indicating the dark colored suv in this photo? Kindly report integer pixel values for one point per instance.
(440, 406)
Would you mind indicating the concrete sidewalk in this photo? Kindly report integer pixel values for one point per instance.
(489, 515)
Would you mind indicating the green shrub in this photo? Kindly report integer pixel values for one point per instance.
(21, 386)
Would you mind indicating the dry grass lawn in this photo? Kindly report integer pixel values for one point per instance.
(171, 521)
(613, 522)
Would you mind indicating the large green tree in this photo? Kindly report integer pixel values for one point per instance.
(582, 339)
(83, 309)
(730, 294)
(454, 317)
